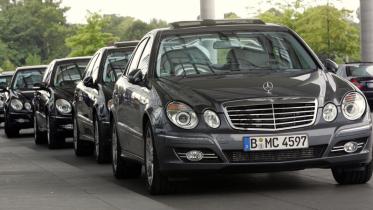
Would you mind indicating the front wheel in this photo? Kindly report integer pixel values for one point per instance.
(157, 182)
(102, 153)
(122, 168)
(353, 176)
(81, 148)
(54, 140)
(9, 130)
(39, 136)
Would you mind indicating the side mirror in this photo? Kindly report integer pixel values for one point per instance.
(331, 66)
(88, 81)
(135, 76)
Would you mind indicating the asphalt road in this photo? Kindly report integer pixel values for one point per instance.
(33, 177)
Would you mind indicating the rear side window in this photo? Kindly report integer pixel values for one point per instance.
(359, 71)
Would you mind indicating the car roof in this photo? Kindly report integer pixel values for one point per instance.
(31, 67)
(73, 58)
(219, 25)
(7, 73)
(114, 48)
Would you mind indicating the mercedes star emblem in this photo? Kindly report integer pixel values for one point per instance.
(268, 86)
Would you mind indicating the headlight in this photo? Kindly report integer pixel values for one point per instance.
(28, 106)
(63, 106)
(182, 115)
(16, 104)
(211, 119)
(353, 106)
(329, 112)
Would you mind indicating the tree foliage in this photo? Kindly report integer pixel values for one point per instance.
(329, 31)
(32, 27)
(90, 37)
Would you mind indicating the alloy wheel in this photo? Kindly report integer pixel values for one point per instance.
(149, 162)
(35, 128)
(97, 140)
(75, 134)
(114, 149)
(48, 131)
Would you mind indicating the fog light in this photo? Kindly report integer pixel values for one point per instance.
(350, 147)
(194, 155)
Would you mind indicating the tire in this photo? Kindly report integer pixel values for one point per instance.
(10, 131)
(102, 153)
(346, 176)
(81, 148)
(122, 168)
(39, 136)
(156, 182)
(54, 140)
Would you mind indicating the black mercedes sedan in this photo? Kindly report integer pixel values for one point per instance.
(53, 121)
(235, 96)
(17, 107)
(5, 79)
(93, 98)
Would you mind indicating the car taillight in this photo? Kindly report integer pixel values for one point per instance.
(357, 83)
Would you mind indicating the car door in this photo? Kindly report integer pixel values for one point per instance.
(82, 93)
(127, 120)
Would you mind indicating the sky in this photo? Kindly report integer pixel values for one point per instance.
(174, 10)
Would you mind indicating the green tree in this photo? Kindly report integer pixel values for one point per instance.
(231, 15)
(33, 59)
(89, 38)
(8, 66)
(329, 31)
(33, 27)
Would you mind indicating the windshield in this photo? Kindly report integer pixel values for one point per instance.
(225, 53)
(25, 79)
(68, 73)
(115, 63)
(359, 71)
(5, 80)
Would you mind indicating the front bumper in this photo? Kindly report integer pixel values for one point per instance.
(221, 145)
(20, 120)
(63, 124)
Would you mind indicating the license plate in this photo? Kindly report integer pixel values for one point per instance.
(257, 143)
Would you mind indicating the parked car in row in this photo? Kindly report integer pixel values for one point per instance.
(92, 100)
(5, 79)
(361, 75)
(235, 95)
(53, 121)
(18, 104)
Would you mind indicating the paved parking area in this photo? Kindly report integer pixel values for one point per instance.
(33, 177)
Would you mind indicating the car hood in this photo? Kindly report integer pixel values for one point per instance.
(210, 91)
(26, 95)
(66, 93)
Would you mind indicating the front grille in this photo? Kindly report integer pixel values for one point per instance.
(271, 115)
(238, 156)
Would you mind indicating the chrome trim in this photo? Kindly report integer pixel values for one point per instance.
(272, 101)
(341, 148)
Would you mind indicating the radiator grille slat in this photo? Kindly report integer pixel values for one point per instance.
(271, 115)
